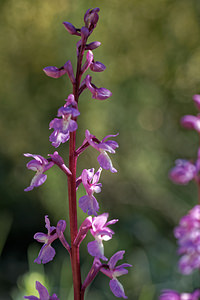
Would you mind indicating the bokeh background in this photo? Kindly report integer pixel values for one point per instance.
(152, 52)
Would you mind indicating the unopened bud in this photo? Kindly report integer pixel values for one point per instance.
(92, 46)
(54, 72)
(97, 66)
(71, 29)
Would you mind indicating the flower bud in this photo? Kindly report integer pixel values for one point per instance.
(91, 18)
(54, 72)
(71, 29)
(89, 59)
(92, 46)
(191, 122)
(97, 66)
(183, 172)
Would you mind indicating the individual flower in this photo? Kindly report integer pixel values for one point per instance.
(188, 236)
(97, 93)
(100, 232)
(43, 293)
(113, 272)
(183, 172)
(88, 203)
(103, 147)
(47, 252)
(191, 122)
(40, 165)
(62, 127)
(174, 295)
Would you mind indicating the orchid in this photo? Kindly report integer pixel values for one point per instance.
(113, 272)
(40, 165)
(183, 172)
(100, 232)
(188, 235)
(174, 295)
(103, 147)
(88, 203)
(47, 252)
(97, 93)
(43, 293)
(62, 127)
(65, 129)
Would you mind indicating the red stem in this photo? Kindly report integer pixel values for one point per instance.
(75, 257)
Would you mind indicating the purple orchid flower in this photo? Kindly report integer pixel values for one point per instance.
(183, 172)
(47, 252)
(101, 233)
(188, 235)
(43, 293)
(103, 147)
(174, 295)
(191, 122)
(97, 93)
(88, 203)
(113, 272)
(40, 165)
(62, 127)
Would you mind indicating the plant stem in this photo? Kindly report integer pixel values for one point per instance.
(75, 257)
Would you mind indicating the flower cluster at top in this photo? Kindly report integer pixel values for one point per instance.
(64, 128)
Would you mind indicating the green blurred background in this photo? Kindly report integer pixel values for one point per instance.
(152, 52)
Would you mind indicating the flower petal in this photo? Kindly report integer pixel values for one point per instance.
(89, 204)
(44, 295)
(105, 162)
(117, 288)
(96, 249)
(46, 254)
(114, 259)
